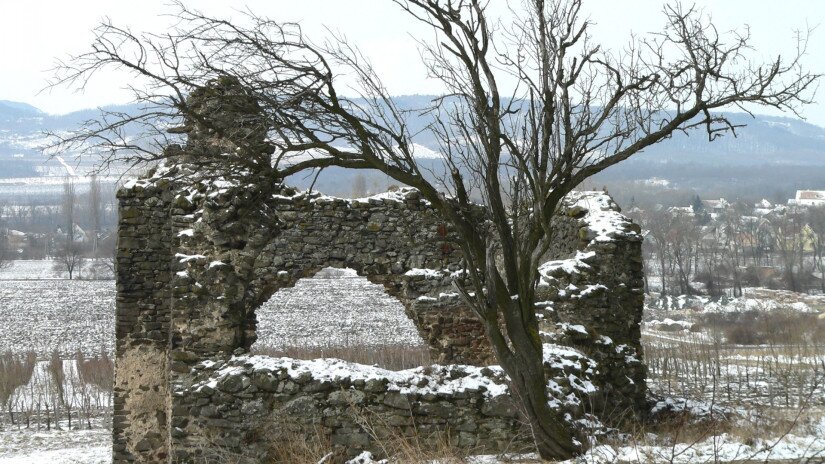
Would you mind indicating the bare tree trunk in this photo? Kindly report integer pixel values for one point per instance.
(94, 207)
(662, 272)
(524, 364)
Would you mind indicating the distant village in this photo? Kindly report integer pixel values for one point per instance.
(717, 247)
(710, 247)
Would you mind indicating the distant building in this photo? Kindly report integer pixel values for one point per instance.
(656, 182)
(808, 198)
(716, 206)
(681, 210)
(763, 207)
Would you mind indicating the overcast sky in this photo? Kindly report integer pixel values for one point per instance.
(35, 32)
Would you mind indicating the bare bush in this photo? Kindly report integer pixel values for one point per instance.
(98, 371)
(15, 372)
(763, 328)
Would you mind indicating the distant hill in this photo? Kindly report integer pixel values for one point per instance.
(766, 141)
(11, 109)
(21, 137)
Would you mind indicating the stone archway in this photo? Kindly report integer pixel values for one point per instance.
(337, 311)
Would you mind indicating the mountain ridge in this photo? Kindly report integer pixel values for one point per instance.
(779, 140)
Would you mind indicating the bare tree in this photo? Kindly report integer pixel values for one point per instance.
(788, 234)
(710, 252)
(5, 249)
(94, 211)
(684, 236)
(359, 186)
(68, 203)
(659, 224)
(69, 255)
(734, 248)
(574, 109)
(70, 258)
(816, 221)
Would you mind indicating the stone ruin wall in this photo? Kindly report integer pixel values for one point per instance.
(196, 258)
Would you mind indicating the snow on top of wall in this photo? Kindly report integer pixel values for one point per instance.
(427, 273)
(399, 196)
(604, 223)
(132, 183)
(602, 217)
(491, 381)
(435, 379)
(551, 269)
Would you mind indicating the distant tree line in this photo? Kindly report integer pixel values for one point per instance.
(687, 252)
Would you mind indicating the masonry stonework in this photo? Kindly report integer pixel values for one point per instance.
(196, 257)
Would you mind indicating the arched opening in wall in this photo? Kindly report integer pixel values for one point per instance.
(338, 314)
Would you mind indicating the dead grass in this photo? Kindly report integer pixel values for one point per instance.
(98, 370)
(781, 327)
(392, 357)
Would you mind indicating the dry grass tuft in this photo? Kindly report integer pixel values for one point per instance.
(392, 357)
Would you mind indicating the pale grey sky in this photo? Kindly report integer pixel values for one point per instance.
(35, 32)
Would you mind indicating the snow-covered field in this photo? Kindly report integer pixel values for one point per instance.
(39, 269)
(56, 446)
(334, 312)
(25, 269)
(46, 315)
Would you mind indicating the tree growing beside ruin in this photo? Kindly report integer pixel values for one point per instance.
(531, 107)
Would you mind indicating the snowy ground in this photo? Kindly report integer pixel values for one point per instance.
(44, 269)
(25, 269)
(753, 299)
(755, 383)
(56, 446)
(44, 315)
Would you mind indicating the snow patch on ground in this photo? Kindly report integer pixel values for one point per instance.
(721, 448)
(56, 446)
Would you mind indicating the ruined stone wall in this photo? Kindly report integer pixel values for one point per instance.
(241, 245)
(250, 406)
(592, 299)
(143, 261)
(197, 257)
